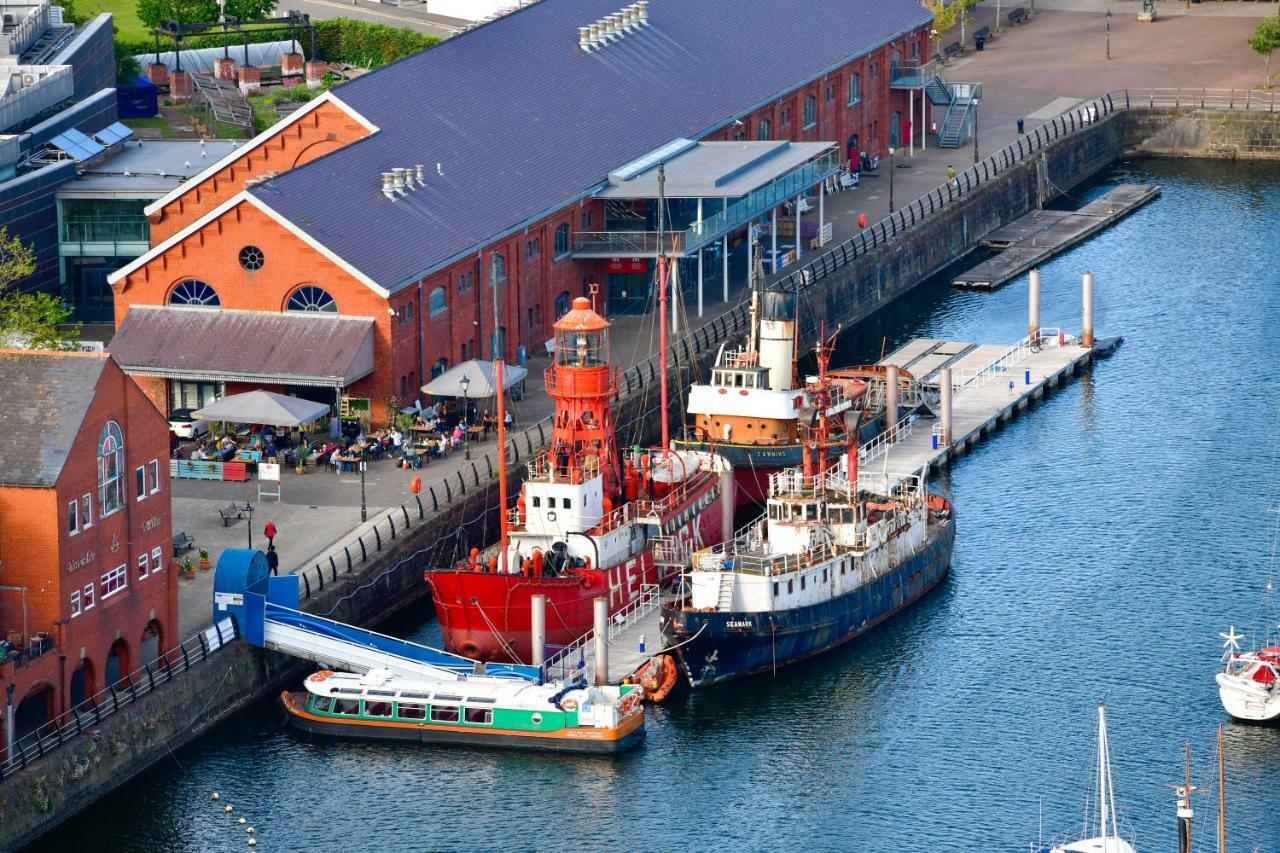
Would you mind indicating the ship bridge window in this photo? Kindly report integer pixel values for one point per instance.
(377, 709)
(411, 712)
(537, 501)
(581, 348)
(567, 503)
(479, 716)
(551, 502)
(483, 700)
(347, 706)
(321, 703)
(444, 714)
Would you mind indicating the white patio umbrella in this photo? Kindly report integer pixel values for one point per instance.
(480, 380)
(263, 407)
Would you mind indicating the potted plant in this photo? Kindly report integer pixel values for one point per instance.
(204, 560)
(188, 568)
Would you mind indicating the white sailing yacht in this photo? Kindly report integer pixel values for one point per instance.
(1104, 835)
(1249, 682)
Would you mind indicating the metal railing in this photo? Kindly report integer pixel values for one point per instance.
(128, 690)
(120, 229)
(561, 665)
(999, 366)
(878, 446)
(626, 243)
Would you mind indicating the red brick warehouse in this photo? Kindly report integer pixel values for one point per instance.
(501, 157)
(87, 590)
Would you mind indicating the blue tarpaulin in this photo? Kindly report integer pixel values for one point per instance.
(137, 99)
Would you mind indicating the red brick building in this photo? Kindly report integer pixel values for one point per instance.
(87, 594)
(395, 198)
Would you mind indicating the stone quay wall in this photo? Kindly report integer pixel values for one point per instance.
(376, 571)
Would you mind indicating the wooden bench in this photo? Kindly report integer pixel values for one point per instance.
(953, 50)
(1019, 16)
(234, 511)
(182, 543)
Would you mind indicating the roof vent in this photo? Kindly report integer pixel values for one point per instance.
(614, 27)
(388, 185)
(422, 181)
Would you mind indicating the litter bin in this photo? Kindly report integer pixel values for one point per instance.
(978, 42)
(1021, 129)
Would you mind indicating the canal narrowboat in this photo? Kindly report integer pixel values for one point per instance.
(825, 563)
(474, 711)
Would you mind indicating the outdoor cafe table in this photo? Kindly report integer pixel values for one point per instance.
(477, 432)
(347, 463)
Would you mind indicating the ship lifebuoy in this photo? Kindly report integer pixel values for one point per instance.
(569, 704)
(317, 677)
(551, 515)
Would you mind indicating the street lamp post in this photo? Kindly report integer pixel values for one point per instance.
(975, 131)
(364, 509)
(465, 382)
(891, 179)
(1108, 17)
(249, 527)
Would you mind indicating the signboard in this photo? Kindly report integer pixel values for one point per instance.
(627, 266)
(222, 600)
(269, 471)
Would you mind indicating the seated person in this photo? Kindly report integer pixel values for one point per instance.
(508, 420)
(199, 454)
(442, 446)
(459, 435)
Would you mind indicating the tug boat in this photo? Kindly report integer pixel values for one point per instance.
(824, 564)
(473, 711)
(750, 410)
(588, 521)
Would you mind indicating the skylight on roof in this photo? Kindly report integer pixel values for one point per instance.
(653, 158)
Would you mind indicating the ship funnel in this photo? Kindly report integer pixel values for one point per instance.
(777, 338)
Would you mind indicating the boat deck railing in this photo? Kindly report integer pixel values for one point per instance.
(571, 659)
(999, 367)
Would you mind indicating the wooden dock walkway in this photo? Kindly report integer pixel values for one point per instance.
(989, 383)
(1040, 235)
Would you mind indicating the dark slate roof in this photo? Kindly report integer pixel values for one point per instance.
(44, 397)
(305, 348)
(522, 120)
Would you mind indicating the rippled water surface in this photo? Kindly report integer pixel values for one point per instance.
(1105, 536)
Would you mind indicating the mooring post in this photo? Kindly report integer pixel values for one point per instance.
(602, 640)
(1033, 306)
(891, 402)
(726, 506)
(944, 379)
(538, 628)
(1086, 330)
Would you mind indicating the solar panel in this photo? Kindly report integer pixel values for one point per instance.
(75, 143)
(113, 134)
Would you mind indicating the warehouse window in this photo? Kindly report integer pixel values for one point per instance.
(764, 130)
(110, 469)
(436, 302)
(810, 112)
(562, 240)
(855, 88)
(312, 298)
(195, 293)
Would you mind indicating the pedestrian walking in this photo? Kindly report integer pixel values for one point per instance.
(273, 559)
(951, 177)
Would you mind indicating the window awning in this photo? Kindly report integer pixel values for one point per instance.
(299, 348)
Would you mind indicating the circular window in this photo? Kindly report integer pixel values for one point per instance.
(312, 298)
(251, 258)
(194, 292)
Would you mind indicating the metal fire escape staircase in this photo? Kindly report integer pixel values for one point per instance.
(957, 124)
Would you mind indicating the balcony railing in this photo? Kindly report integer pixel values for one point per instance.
(911, 74)
(763, 199)
(625, 244)
(104, 230)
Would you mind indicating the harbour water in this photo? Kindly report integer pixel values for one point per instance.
(1104, 538)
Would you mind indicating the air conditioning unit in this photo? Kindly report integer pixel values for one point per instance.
(30, 79)
(10, 21)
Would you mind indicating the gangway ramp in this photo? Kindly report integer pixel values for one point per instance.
(925, 365)
(267, 615)
(642, 618)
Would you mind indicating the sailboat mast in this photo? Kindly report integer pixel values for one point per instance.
(501, 415)
(1222, 795)
(662, 304)
(1102, 771)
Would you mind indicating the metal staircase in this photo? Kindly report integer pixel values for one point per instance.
(725, 602)
(955, 124)
(938, 92)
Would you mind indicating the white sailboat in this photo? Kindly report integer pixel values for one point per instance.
(1249, 682)
(1104, 835)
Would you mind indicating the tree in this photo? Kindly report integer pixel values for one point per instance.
(1266, 41)
(962, 8)
(152, 12)
(29, 320)
(944, 20)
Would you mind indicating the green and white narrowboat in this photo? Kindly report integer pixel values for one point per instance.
(475, 710)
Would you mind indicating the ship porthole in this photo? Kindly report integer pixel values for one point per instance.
(536, 718)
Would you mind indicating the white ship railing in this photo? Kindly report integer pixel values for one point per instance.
(566, 662)
(879, 446)
(999, 367)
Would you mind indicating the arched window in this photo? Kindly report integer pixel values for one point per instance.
(110, 469)
(311, 298)
(810, 112)
(436, 303)
(764, 130)
(192, 291)
(855, 88)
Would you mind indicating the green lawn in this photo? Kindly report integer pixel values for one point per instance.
(124, 14)
(157, 122)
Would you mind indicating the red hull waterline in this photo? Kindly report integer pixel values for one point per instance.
(486, 616)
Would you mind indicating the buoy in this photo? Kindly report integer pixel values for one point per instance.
(415, 485)
(227, 809)
(241, 821)
(215, 796)
(249, 830)
(862, 220)
(253, 842)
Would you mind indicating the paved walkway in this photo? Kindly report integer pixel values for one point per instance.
(1033, 71)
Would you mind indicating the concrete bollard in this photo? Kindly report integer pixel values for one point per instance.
(224, 68)
(601, 605)
(944, 377)
(538, 629)
(891, 402)
(1086, 330)
(1033, 306)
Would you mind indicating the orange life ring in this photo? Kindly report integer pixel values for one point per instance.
(569, 704)
(317, 677)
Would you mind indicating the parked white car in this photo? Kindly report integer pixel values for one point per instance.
(186, 425)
